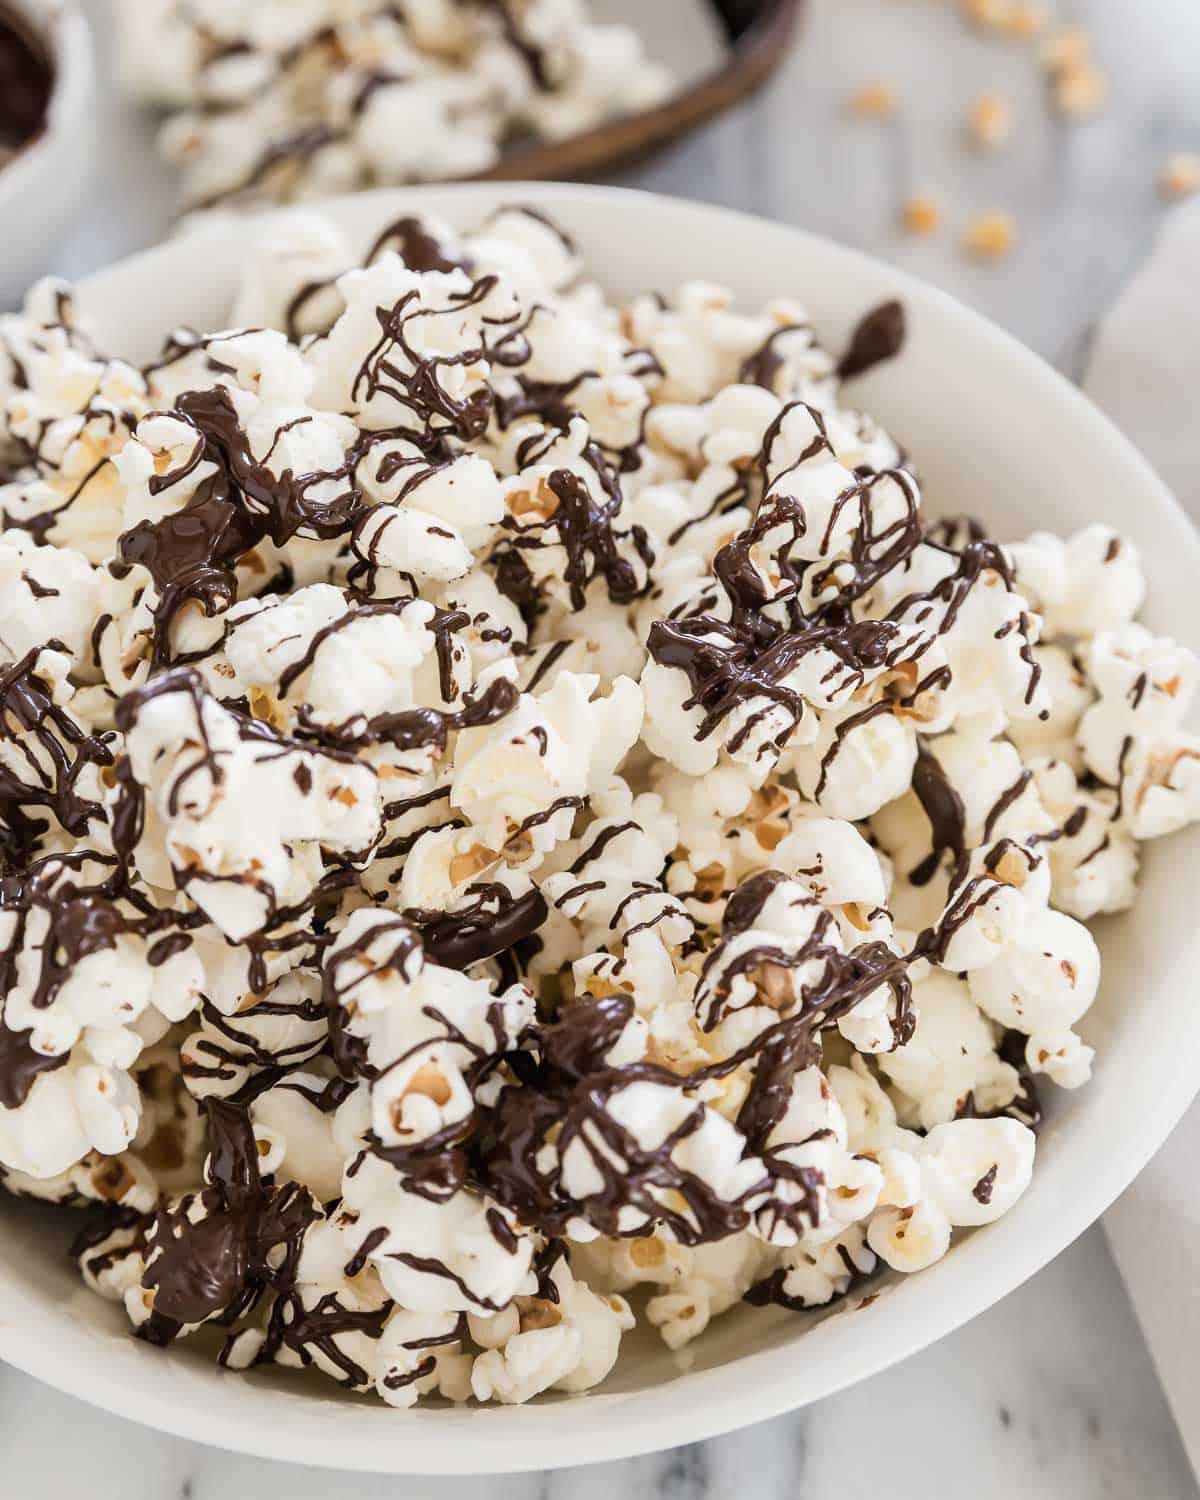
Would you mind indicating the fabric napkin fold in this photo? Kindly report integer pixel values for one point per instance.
(1145, 372)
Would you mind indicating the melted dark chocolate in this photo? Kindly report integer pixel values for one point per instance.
(27, 708)
(245, 1237)
(492, 923)
(878, 337)
(191, 554)
(26, 83)
(20, 1066)
(944, 808)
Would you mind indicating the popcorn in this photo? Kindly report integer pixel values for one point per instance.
(1093, 859)
(1081, 586)
(568, 1342)
(288, 102)
(972, 1171)
(419, 1353)
(814, 1277)
(952, 1057)
(457, 1254)
(67, 1113)
(1044, 983)
(45, 589)
(506, 800)
(203, 768)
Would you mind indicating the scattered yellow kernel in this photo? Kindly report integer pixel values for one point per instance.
(1021, 19)
(990, 121)
(1070, 47)
(1080, 91)
(874, 101)
(1180, 175)
(1025, 21)
(992, 15)
(991, 236)
(921, 214)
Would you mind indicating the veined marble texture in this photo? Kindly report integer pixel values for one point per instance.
(1050, 1394)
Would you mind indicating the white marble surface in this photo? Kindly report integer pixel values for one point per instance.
(1051, 1394)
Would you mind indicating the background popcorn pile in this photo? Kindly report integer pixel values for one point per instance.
(507, 805)
(287, 99)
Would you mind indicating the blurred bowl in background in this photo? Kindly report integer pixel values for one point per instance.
(41, 184)
(750, 38)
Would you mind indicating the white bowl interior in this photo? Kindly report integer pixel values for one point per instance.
(996, 433)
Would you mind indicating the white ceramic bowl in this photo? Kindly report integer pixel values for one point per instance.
(40, 189)
(995, 432)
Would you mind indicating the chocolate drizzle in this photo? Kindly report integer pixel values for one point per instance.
(569, 1085)
(191, 554)
(218, 1251)
(20, 1065)
(418, 387)
(585, 527)
(729, 662)
(564, 1080)
(531, 54)
(418, 247)
(281, 159)
(878, 337)
(748, 655)
(493, 922)
(765, 364)
(944, 808)
(982, 1191)
(56, 753)
(76, 917)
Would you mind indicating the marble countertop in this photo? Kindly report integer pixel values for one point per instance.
(1052, 1393)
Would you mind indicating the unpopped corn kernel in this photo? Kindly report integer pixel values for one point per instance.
(874, 101)
(991, 236)
(990, 121)
(1179, 176)
(921, 214)
(1080, 91)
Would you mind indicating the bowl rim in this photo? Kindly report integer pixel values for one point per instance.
(65, 30)
(750, 61)
(769, 1382)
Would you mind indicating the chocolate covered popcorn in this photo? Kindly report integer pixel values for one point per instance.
(272, 101)
(515, 823)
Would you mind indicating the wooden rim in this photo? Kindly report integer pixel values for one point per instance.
(753, 57)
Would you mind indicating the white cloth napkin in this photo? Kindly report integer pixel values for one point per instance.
(1145, 372)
